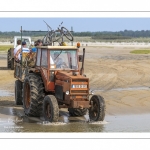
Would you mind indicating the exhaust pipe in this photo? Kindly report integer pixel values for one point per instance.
(82, 68)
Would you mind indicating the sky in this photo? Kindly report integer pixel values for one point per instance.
(78, 24)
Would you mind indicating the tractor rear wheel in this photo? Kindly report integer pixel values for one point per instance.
(50, 108)
(33, 95)
(97, 111)
(12, 64)
(18, 92)
(77, 111)
(8, 59)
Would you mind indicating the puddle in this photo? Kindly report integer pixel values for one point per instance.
(5, 93)
(128, 123)
(14, 120)
(112, 123)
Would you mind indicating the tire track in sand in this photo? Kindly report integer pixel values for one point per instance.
(108, 74)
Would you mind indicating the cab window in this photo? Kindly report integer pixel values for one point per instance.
(44, 58)
(38, 57)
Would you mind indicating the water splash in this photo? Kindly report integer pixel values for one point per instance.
(51, 123)
(98, 122)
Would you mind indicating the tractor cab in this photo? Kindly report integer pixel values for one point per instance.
(53, 60)
(58, 58)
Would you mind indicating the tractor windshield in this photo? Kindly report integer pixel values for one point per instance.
(63, 59)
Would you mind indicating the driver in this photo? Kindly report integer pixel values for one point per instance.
(59, 61)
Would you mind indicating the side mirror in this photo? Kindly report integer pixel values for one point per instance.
(80, 58)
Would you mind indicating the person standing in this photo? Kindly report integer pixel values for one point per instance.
(18, 54)
(34, 49)
(36, 43)
(25, 52)
(39, 42)
(17, 49)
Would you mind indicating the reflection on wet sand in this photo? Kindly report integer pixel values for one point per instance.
(17, 122)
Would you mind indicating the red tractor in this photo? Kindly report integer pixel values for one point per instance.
(56, 81)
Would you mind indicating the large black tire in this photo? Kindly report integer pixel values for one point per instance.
(77, 111)
(12, 64)
(97, 113)
(18, 92)
(33, 95)
(8, 59)
(50, 108)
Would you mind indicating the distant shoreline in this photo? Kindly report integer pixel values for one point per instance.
(116, 44)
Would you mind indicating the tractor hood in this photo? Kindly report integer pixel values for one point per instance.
(69, 75)
(71, 82)
(73, 88)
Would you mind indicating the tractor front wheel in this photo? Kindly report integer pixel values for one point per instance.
(50, 108)
(97, 109)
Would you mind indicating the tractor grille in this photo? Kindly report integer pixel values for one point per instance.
(79, 80)
(78, 91)
(79, 87)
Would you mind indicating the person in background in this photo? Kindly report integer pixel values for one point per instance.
(36, 43)
(32, 57)
(25, 51)
(17, 49)
(34, 49)
(31, 45)
(24, 46)
(39, 42)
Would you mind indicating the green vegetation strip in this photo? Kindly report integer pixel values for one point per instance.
(5, 47)
(142, 51)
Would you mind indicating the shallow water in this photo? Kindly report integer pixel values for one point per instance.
(14, 120)
(5, 93)
(124, 89)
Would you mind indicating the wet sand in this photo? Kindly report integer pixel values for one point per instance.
(123, 79)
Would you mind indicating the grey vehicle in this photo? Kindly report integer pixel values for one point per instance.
(10, 53)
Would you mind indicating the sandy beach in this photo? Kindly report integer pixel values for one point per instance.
(122, 78)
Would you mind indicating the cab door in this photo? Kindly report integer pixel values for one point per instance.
(44, 67)
(42, 64)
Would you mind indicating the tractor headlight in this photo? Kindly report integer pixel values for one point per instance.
(67, 92)
(79, 86)
(92, 92)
